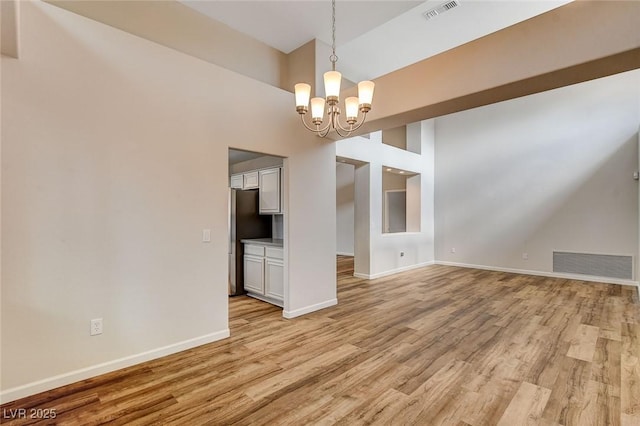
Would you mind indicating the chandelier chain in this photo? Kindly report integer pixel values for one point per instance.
(333, 58)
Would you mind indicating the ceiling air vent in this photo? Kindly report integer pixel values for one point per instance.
(432, 13)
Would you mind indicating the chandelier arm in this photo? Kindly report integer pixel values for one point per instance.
(364, 117)
(315, 130)
(305, 124)
(325, 132)
(330, 124)
(352, 128)
(342, 135)
(338, 125)
(339, 129)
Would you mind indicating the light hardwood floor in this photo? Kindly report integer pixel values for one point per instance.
(434, 346)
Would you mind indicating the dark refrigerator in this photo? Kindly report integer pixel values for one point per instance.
(244, 223)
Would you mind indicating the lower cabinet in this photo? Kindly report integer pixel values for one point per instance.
(264, 273)
(254, 273)
(274, 278)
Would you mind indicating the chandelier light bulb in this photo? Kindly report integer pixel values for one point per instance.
(332, 80)
(303, 92)
(351, 108)
(317, 110)
(365, 92)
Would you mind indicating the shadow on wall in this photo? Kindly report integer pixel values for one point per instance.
(533, 175)
(578, 195)
(604, 202)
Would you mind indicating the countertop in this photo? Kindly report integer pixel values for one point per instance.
(271, 242)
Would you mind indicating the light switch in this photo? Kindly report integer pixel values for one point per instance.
(206, 235)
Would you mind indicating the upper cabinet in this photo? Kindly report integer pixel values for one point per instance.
(270, 194)
(269, 185)
(237, 181)
(251, 180)
(247, 180)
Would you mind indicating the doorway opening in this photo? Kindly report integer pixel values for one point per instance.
(257, 227)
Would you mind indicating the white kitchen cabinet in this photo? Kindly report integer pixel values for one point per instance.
(270, 191)
(237, 181)
(251, 180)
(264, 272)
(254, 274)
(274, 278)
(269, 183)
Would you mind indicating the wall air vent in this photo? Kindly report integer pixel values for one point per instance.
(599, 265)
(432, 13)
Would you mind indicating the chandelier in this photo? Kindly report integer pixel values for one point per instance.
(332, 79)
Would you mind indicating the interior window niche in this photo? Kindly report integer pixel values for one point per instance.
(406, 137)
(400, 201)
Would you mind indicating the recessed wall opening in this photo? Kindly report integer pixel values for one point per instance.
(400, 201)
(406, 138)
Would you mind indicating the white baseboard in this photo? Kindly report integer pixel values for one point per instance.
(341, 253)
(308, 309)
(85, 373)
(392, 271)
(578, 277)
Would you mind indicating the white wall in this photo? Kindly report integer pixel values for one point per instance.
(345, 227)
(114, 158)
(180, 27)
(362, 219)
(551, 171)
(378, 254)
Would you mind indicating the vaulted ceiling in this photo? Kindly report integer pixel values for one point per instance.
(373, 37)
(477, 53)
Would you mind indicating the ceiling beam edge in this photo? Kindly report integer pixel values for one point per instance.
(9, 28)
(580, 41)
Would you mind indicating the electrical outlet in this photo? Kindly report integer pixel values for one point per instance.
(96, 326)
(401, 254)
(453, 249)
(525, 256)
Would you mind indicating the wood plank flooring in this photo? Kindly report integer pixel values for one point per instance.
(434, 346)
